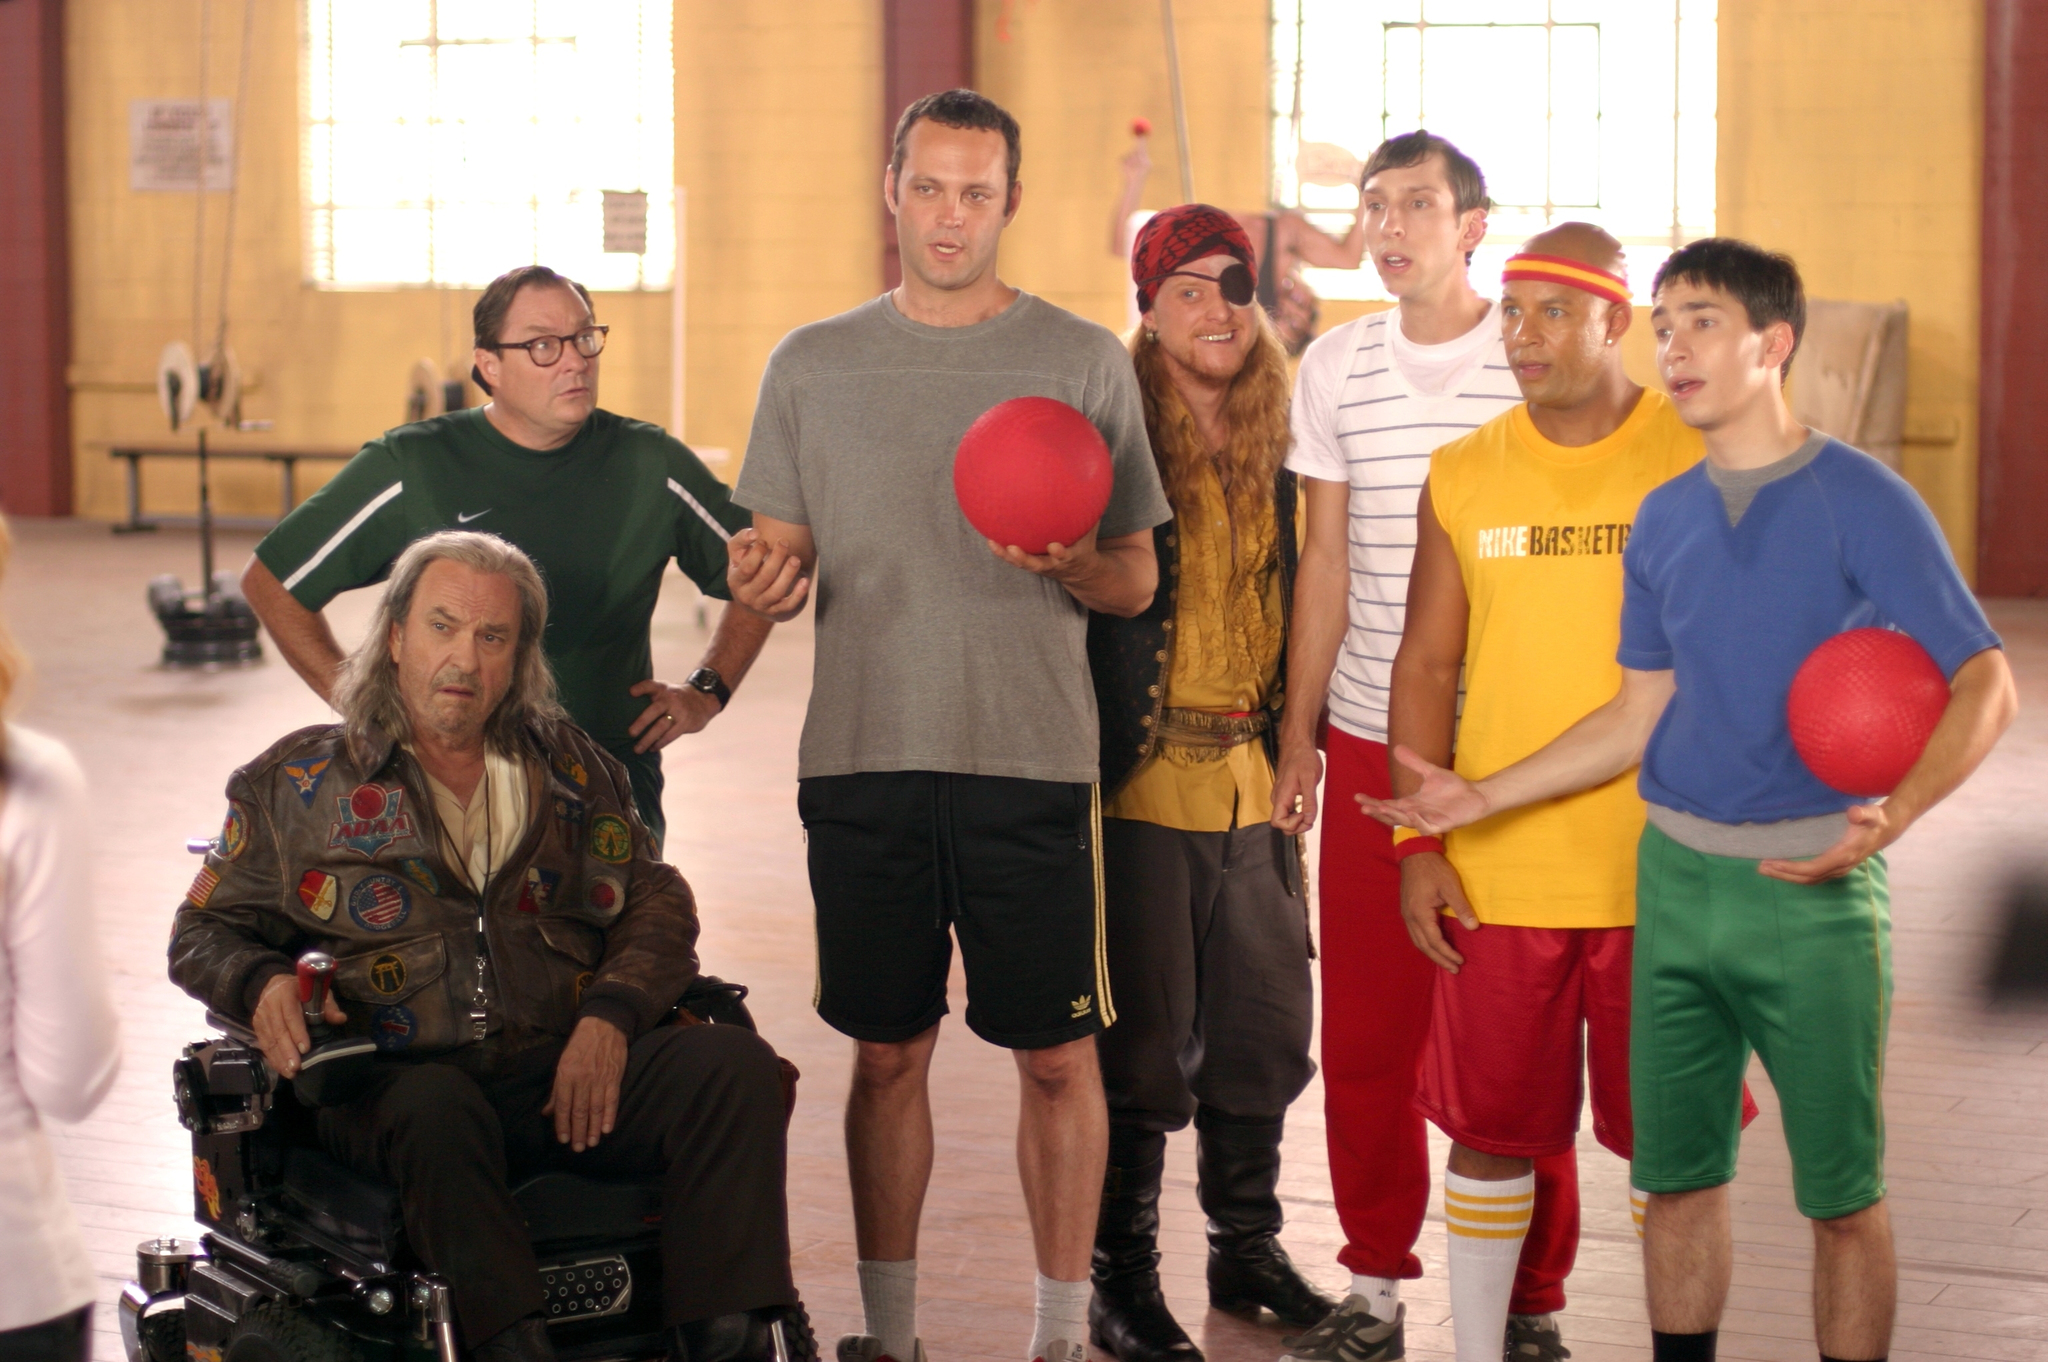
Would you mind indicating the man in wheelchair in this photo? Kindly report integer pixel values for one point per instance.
(504, 939)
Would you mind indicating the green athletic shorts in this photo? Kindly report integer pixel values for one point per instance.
(1727, 960)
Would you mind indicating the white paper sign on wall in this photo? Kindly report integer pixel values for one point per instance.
(625, 222)
(164, 144)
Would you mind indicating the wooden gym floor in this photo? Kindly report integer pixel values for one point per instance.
(1967, 1094)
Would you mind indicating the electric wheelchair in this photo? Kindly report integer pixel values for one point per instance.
(305, 1260)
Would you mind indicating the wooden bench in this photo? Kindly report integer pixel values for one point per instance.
(287, 461)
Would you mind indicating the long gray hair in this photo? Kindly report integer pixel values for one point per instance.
(366, 694)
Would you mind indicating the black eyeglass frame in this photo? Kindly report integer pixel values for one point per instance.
(562, 342)
(1236, 273)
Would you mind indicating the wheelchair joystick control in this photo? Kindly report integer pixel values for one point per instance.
(316, 976)
(336, 1066)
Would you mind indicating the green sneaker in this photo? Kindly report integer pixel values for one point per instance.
(1350, 1333)
(1534, 1338)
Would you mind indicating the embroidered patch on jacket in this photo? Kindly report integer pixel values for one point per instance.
(234, 833)
(387, 975)
(571, 770)
(393, 1027)
(540, 889)
(605, 895)
(319, 890)
(379, 902)
(611, 840)
(569, 815)
(372, 818)
(202, 886)
(420, 873)
(306, 776)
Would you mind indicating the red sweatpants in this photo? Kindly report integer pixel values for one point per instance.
(1377, 991)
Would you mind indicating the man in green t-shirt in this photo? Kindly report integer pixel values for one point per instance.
(599, 502)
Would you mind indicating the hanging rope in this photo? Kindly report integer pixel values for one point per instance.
(203, 131)
(227, 250)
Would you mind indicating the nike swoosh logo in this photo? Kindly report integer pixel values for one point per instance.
(462, 519)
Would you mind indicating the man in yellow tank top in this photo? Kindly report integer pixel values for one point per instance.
(1518, 583)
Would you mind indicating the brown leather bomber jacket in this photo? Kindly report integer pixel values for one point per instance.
(338, 850)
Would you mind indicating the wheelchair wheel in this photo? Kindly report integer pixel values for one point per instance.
(162, 1336)
(274, 1332)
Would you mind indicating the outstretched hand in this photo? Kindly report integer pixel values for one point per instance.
(1870, 831)
(1445, 799)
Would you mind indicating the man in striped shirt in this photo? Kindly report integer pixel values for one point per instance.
(1373, 398)
(599, 502)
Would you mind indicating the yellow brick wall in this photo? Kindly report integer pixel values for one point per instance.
(1075, 73)
(330, 367)
(779, 146)
(1851, 136)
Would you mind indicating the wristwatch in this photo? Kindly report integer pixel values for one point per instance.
(710, 682)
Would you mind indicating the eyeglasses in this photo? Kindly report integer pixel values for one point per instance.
(1235, 281)
(545, 350)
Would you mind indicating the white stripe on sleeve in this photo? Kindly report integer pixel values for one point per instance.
(702, 514)
(355, 522)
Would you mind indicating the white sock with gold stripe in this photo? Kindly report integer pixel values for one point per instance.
(1487, 1222)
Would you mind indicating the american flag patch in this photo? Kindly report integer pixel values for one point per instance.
(202, 887)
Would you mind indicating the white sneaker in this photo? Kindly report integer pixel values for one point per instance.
(868, 1348)
(1059, 1350)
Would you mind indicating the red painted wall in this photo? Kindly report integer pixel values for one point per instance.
(2012, 469)
(35, 417)
(927, 46)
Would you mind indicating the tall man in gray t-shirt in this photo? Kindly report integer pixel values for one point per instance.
(948, 766)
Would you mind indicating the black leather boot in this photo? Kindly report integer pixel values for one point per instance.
(1238, 1171)
(745, 1336)
(1128, 1317)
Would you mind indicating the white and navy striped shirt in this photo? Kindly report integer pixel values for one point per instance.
(1369, 408)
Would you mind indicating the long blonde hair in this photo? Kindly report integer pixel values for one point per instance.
(366, 694)
(1255, 409)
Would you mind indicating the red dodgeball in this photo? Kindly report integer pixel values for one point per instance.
(1031, 472)
(366, 801)
(1141, 127)
(1862, 707)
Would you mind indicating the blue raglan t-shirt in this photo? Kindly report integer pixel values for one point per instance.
(1842, 543)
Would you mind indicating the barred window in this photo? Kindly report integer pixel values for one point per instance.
(446, 141)
(1599, 110)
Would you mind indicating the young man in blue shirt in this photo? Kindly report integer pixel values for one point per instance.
(1763, 918)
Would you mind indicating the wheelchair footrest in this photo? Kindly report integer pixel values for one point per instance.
(586, 1288)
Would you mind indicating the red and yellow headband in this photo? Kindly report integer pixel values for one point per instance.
(1555, 269)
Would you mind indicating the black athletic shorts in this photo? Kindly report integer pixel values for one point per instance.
(903, 861)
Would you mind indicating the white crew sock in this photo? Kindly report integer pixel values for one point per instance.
(1487, 1223)
(1638, 1207)
(1382, 1294)
(1062, 1316)
(888, 1297)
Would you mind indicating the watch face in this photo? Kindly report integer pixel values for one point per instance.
(703, 679)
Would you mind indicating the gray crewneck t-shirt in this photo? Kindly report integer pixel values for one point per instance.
(932, 653)
(1791, 838)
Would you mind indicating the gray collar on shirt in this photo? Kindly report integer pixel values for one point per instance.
(1739, 486)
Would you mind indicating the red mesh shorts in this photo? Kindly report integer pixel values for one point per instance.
(1516, 1033)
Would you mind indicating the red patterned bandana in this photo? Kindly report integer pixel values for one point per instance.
(1181, 236)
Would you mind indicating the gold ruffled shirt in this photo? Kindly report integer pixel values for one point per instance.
(1223, 658)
